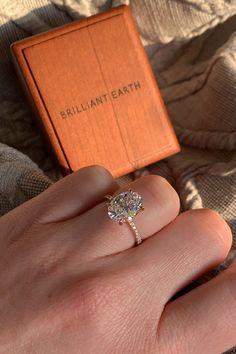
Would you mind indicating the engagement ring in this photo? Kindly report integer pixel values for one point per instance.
(124, 207)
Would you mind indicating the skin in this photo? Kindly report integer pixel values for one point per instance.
(72, 282)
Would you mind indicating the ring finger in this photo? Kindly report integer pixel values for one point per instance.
(100, 236)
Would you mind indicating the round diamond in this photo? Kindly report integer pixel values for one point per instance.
(125, 206)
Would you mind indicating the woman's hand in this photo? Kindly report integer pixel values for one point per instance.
(72, 282)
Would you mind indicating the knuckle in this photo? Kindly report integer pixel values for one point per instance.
(94, 169)
(90, 298)
(157, 181)
(95, 298)
(81, 304)
(161, 190)
(209, 226)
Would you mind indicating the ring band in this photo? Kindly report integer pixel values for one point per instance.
(124, 207)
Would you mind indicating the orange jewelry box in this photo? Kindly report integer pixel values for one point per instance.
(93, 90)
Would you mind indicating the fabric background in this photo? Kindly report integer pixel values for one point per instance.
(191, 45)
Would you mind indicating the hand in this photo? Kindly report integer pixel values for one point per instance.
(72, 282)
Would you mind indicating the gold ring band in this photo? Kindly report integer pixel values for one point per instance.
(138, 237)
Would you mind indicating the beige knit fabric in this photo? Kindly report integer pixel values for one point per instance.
(191, 45)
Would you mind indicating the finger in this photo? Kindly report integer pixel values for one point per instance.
(204, 320)
(195, 242)
(102, 236)
(78, 192)
(72, 195)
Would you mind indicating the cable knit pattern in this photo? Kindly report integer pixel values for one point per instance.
(191, 45)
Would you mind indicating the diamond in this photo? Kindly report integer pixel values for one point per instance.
(125, 206)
